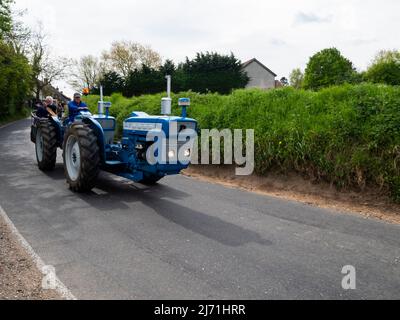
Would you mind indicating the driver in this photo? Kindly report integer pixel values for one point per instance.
(75, 106)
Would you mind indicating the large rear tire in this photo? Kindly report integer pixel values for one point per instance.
(46, 145)
(81, 157)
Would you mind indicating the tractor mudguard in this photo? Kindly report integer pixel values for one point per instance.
(98, 130)
(57, 124)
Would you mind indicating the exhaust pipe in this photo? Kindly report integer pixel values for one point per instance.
(100, 104)
(166, 103)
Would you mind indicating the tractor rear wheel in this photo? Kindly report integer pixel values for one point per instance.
(46, 145)
(81, 157)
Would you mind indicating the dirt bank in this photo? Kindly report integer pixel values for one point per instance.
(19, 277)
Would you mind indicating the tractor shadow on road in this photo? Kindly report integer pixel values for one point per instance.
(57, 173)
(162, 200)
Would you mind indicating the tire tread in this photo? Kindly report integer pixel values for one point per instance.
(49, 134)
(90, 158)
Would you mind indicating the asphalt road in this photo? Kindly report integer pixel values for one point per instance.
(186, 239)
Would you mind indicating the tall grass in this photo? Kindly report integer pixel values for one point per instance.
(346, 135)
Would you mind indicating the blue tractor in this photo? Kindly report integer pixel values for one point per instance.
(151, 147)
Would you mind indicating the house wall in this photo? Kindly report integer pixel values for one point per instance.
(259, 77)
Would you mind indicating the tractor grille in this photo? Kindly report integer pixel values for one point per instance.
(107, 124)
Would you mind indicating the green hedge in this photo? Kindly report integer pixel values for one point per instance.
(346, 135)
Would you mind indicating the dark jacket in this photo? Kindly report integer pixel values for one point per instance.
(53, 107)
(42, 110)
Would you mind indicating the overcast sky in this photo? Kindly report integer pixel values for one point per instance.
(282, 34)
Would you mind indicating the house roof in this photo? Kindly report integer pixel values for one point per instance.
(56, 92)
(246, 64)
(60, 94)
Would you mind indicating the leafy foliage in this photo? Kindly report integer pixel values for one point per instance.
(208, 72)
(328, 68)
(5, 17)
(112, 82)
(15, 72)
(385, 68)
(297, 79)
(144, 81)
(212, 72)
(15, 81)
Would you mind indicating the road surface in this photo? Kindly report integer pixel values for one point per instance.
(186, 239)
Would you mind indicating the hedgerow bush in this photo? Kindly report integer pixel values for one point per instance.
(346, 135)
(15, 82)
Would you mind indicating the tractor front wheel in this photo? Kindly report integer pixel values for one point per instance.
(46, 145)
(81, 157)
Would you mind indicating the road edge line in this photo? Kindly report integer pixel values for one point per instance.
(60, 287)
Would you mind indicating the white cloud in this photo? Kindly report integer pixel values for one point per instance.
(282, 34)
(303, 18)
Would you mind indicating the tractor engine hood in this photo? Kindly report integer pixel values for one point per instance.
(141, 123)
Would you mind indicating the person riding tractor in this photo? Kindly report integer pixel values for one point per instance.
(75, 106)
(46, 108)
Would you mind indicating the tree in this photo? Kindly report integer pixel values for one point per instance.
(5, 17)
(45, 67)
(112, 82)
(385, 68)
(328, 67)
(150, 58)
(19, 35)
(168, 68)
(208, 72)
(212, 72)
(15, 80)
(284, 81)
(296, 78)
(125, 56)
(86, 73)
(15, 72)
(145, 80)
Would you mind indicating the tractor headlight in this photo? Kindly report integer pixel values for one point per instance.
(139, 146)
(187, 153)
